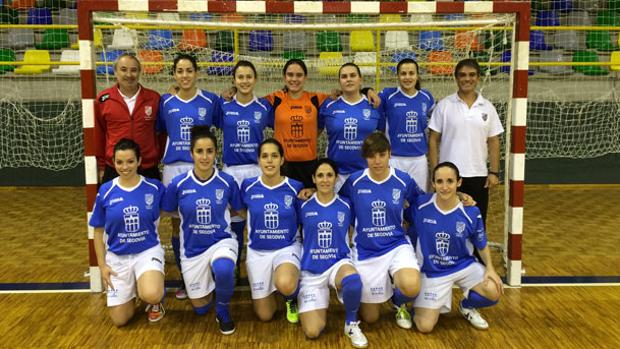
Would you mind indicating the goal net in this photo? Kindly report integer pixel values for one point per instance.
(375, 41)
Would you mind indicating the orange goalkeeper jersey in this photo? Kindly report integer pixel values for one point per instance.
(296, 124)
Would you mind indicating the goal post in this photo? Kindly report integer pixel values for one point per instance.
(484, 20)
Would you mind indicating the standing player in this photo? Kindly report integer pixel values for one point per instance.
(296, 122)
(126, 214)
(273, 237)
(465, 130)
(407, 109)
(349, 120)
(126, 110)
(243, 121)
(326, 258)
(178, 113)
(203, 198)
(381, 249)
(447, 233)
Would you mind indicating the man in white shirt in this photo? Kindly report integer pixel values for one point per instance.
(465, 130)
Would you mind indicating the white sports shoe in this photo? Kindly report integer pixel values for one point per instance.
(403, 317)
(473, 316)
(354, 332)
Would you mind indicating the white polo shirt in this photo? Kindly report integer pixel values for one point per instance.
(464, 132)
(130, 101)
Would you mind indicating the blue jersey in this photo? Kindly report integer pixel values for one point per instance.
(446, 240)
(325, 232)
(242, 128)
(177, 117)
(347, 126)
(407, 120)
(204, 209)
(129, 216)
(272, 213)
(378, 208)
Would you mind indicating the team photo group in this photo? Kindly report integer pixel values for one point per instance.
(394, 211)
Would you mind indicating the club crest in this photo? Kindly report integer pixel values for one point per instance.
(202, 112)
(148, 200)
(485, 116)
(366, 114)
(288, 201)
(219, 194)
(257, 116)
(395, 196)
(341, 217)
(460, 228)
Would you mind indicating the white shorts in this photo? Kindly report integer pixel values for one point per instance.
(416, 167)
(375, 272)
(340, 181)
(197, 273)
(128, 269)
(262, 264)
(314, 288)
(436, 293)
(239, 173)
(174, 169)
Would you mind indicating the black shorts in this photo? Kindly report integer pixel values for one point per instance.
(301, 171)
(110, 173)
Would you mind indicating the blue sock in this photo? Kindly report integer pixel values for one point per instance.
(237, 228)
(351, 296)
(399, 298)
(224, 270)
(203, 310)
(476, 300)
(176, 248)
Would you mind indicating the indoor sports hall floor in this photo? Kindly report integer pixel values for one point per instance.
(570, 297)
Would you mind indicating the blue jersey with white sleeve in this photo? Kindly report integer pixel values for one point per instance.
(129, 216)
(325, 232)
(242, 128)
(446, 240)
(177, 117)
(347, 126)
(406, 120)
(378, 208)
(204, 208)
(272, 213)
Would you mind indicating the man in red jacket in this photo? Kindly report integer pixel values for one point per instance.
(126, 110)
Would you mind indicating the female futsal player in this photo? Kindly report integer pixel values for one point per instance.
(126, 215)
(204, 197)
(326, 258)
(446, 233)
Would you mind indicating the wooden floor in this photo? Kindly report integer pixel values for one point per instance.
(559, 317)
(568, 231)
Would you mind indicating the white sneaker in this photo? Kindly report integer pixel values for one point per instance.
(403, 317)
(473, 316)
(354, 332)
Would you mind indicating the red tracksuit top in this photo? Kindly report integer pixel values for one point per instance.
(113, 122)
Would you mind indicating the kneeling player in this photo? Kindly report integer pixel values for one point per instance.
(446, 234)
(326, 261)
(209, 248)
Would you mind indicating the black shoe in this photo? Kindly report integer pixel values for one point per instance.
(227, 328)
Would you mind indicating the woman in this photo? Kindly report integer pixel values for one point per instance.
(243, 121)
(178, 113)
(407, 110)
(203, 198)
(127, 212)
(326, 258)
(446, 233)
(274, 247)
(382, 252)
(348, 121)
(295, 121)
